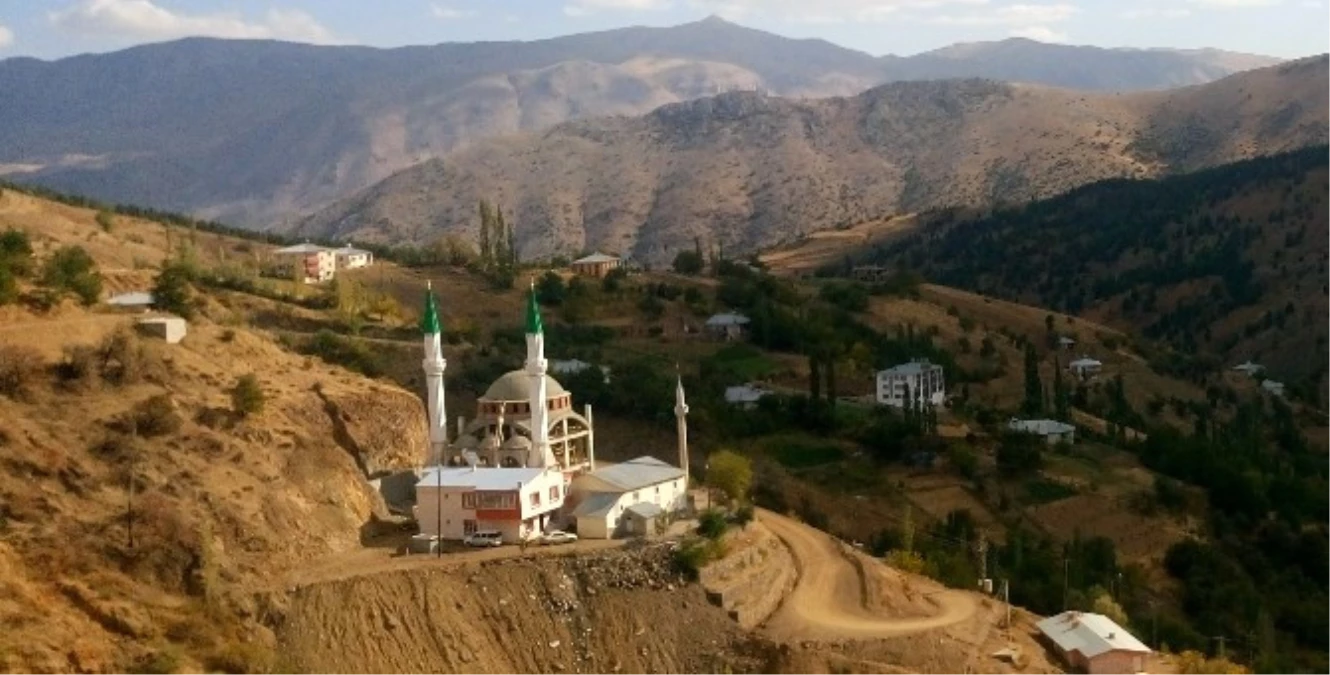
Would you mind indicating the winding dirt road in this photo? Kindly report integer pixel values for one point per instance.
(828, 601)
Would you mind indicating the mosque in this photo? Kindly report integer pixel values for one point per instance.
(526, 463)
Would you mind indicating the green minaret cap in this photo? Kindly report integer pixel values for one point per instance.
(533, 324)
(429, 321)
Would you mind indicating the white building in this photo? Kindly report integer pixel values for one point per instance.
(596, 265)
(604, 496)
(1094, 643)
(140, 300)
(520, 503)
(1273, 388)
(1052, 431)
(349, 258)
(1249, 368)
(1085, 367)
(918, 381)
(172, 329)
(314, 264)
(1066, 342)
(727, 325)
(744, 395)
(575, 366)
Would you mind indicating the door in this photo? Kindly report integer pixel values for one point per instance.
(468, 527)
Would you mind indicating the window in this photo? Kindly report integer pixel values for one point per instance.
(468, 527)
(535, 498)
(554, 493)
(469, 500)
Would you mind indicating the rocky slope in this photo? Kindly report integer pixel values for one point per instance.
(749, 170)
(248, 131)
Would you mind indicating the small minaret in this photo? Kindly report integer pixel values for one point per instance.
(434, 364)
(681, 418)
(542, 455)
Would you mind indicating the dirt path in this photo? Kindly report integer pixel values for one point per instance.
(828, 601)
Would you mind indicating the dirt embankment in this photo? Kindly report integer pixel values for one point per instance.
(754, 577)
(615, 611)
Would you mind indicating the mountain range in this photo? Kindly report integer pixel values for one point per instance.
(253, 131)
(747, 170)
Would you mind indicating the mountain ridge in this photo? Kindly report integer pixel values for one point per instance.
(253, 131)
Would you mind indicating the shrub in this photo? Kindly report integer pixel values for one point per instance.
(550, 289)
(8, 286)
(156, 416)
(105, 220)
(744, 515)
(693, 555)
(16, 252)
(730, 473)
(711, 524)
(688, 262)
(906, 561)
(123, 360)
(165, 659)
(71, 269)
(171, 291)
(20, 369)
(247, 396)
(241, 657)
(77, 366)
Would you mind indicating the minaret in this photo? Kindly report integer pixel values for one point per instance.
(434, 365)
(681, 418)
(541, 453)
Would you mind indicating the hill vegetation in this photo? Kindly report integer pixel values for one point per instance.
(746, 171)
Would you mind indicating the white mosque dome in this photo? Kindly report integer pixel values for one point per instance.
(516, 386)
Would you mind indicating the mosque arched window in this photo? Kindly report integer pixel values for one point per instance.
(510, 463)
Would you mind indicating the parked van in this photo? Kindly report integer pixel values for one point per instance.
(483, 538)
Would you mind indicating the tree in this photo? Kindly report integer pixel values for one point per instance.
(688, 262)
(613, 280)
(1061, 397)
(731, 473)
(16, 252)
(171, 291)
(247, 396)
(550, 289)
(105, 220)
(1106, 605)
(8, 286)
(71, 269)
(486, 248)
(1019, 453)
(1034, 388)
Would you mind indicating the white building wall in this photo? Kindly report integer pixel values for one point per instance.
(671, 496)
(454, 515)
(929, 384)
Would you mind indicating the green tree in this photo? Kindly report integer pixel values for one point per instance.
(172, 292)
(105, 220)
(71, 269)
(1019, 453)
(1061, 395)
(550, 289)
(16, 252)
(486, 247)
(731, 473)
(247, 397)
(688, 262)
(1034, 388)
(613, 281)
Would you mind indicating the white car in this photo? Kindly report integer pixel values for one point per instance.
(484, 538)
(557, 537)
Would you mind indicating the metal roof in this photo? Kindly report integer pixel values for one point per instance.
(596, 504)
(637, 473)
(1089, 634)
(301, 248)
(1085, 362)
(351, 250)
(132, 299)
(915, 367)
(727, 319)
(480, 478)
(1041, 427)
(743, 394)
(645, 510)
(596, 257)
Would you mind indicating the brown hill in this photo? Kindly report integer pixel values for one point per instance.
(749, 171)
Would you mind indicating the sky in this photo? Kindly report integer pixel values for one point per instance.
(50, 29)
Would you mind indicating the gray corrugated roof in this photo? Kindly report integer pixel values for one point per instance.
(1089, 634)
(727, 319)
(637, 473)
(131, 299)
(596, 504)
(1041, 427)
(645, 510)
(911, 368)
(596, 257)
(743, 393)
(301, 248)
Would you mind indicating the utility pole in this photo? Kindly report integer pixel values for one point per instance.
(983, 556)
(1065, 561)
(1006, 599)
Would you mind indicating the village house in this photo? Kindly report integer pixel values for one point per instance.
(517, 502)
(349, 258)
(1066, 342)
(1273, 388)
(916, 382)
(310, 263)
(596, 265)
(1250, 369)
(172, 329)
(1052, 431)
(608, 499)
(727, 326)
(1093, 643)
(575, 366)
(134, 301)
(744, 396)
(1085, 367)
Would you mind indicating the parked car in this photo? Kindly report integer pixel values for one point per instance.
(557, 537)
(484, 538)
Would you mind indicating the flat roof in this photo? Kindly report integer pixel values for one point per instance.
(727, 319)
(1041, 427)
(480, 478)
(301, 248)
(912, 368)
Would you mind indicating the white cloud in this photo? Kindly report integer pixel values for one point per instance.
(585, 7)
(1156, 13)
(144, 20)
(1012, 15)
(6, 36)
(449, 13)
(1040, 33)
(1236, 4)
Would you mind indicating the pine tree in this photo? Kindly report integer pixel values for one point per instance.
(501, 243)
(814, 377)
(1060, 400)
(1034, 390)
(485, 247)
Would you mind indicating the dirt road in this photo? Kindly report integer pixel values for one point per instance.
(828, 602)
